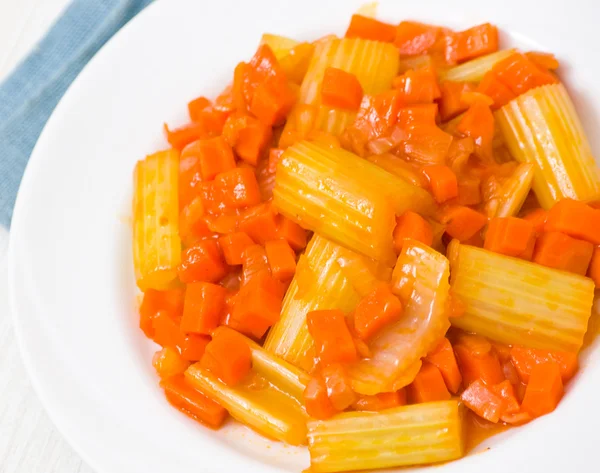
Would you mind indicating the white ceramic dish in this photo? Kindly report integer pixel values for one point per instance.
(72, 286)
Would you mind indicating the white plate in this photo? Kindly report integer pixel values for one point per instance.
(72, 289)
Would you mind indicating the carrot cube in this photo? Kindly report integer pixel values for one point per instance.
(341, 89)
(248, 136)
(428, 386)
(594, 267)
(411, 225)
(233, 247)
(282, 259)
(215, 156)
(560, 251)
(442, 182)
(375, 311)
(525, 359)
(240, 188)
(338, 383)
(462, 222)
(474, 42)
(228, 357)
(443, 358)
(414, 38)
(316, 401)
(272, 101)
(575, 219)
(202, 262)
(381, 401)
(193, 346)
(538, 218)
(166, 330)
(544, 391)
(260, 223)
(476, 365)
(254, 261)
(331, 335)
(204, 304)
(451, 102)
(509, 236)
(370, 28)
(293, 233)
(483, 401)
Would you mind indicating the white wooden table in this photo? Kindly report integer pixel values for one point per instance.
(29, 442)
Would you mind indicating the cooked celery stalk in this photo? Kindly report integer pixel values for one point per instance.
(474, 70)
(318, 284)
(345, 198)
(257, 403)
(542, 127)
(374, 63)
(420, 279)
(280, 45)
(277, 371)
(156, 244)
(409, 435)
(512, 194)
(517, 302)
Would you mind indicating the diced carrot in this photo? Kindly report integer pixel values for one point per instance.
(509, 236)
(228, 357)
(451, 103)
(192, 223)
(317, 403)
(520, 74)
(458, 154)
(525, 359)
(472, 43)
(193, 347)
(414, 38)
(478, 123)
(507, 392)
(202, 262)
(272, 101)
(376, 310)
(260, 223)
(224, 223)
(258, 305)
(196, 106)
(411, 225)
(483, 401)
(538, 218)
(418, 113)
(209, 118)
(180, 137)
(381, 401)
(274, 157)
(544, 391)
(543, 60)
(291, 232)
(248, 136)
(233, 247)
(442, 182)
(594, 267)
(332, 337)
(575, 219)
(476, 344)
(168, 362)
(338, 383)
(370, 28)
(491, 86)
(240, 188)
(254, 261)
(239, 95)
(341, 89)
(424, 144)
(462, 222)
(474, 366)
(444, 359)
(428, 385)
(166, 330)
(456, 307)
(204, 304)
(417, 86)
(469, 191)
(215, 156)
(560, 251)
(211, 196)
(191, 402)
(169, 301)
(282, 259)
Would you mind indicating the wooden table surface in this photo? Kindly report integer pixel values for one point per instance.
(29, 442)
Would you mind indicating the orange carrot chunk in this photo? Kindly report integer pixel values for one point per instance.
(509, 236)
(341, 89)
(202, 262)
(239, 188)
(291, 232)
(254, 262)
(495, 89)
(258, 305)
(443, 358)
(228, 357)
(381, 401)
(451, 101)
(248, 136)
(192, 403)
(273, 99)
(375, 311)
(478, 365)
(180, 137)
(331, 335)
(520, 74)
(414, 38)
(274, 157)
(560, 251)
(543, 60)
(338, 383)
(204, 304)
(260, 223)
(594, 267)
(478, 123)
(425, 113)
(507, 392)
(525, 359)
(462, 222)
(197, 106)
(370, 28)
(168, 362)
(411, 225)
(428, 386)
(575, 219)
(538, 218)
(169, 301)
(233, 247)
(417, 87)
(544, 391)
(282, 259)
(472, 43)
(442, 182)
(317, 403)
(215, 156)
(483, 401)
(193, 346)
(165, 330)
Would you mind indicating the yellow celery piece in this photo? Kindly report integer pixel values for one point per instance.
(512, 194)
(295, 63)
(156, 243)
(345, 198)
(518, 302)
(374, 63)
(542, 127)
(276, 370)
(420, 280)
(257, 403)
(318, 284)
(280, 45)
(474, 70)
(409, 435)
